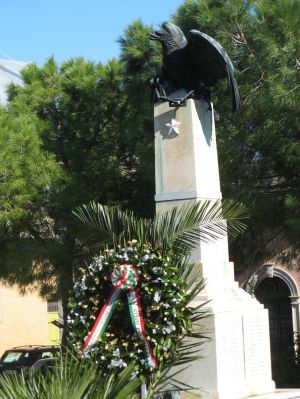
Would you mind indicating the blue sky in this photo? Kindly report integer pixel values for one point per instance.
(33, 30)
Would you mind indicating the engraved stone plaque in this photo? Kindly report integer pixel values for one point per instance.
(230, 347)
(256, 345)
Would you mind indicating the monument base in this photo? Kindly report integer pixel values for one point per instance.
(277, 394)
(235, 359)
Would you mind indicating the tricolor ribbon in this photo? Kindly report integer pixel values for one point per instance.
(124, 277)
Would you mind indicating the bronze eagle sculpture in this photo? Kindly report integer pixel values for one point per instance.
(193, 65)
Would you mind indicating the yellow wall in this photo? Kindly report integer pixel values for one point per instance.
(53, 331)
(23, 319)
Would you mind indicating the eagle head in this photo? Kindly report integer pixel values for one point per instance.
(171, 37)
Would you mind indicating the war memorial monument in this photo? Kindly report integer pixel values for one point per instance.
(236, 359)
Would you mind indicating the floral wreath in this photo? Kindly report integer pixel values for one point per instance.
(163, 300)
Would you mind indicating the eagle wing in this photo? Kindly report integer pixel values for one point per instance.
(207, 62)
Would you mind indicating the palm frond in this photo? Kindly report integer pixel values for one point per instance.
(68, 379)
(72, 379)
(200, 221)
(117, 385)
(179, 229)
(15, 387)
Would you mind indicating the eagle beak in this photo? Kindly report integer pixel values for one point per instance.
(156, 35)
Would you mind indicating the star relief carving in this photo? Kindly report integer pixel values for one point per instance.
(173, 127)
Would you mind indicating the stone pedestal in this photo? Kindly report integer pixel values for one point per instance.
(236, 359)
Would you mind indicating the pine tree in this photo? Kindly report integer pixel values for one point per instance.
(259, 148)
(76, 113)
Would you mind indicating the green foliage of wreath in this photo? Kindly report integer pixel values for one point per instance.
(164, 300)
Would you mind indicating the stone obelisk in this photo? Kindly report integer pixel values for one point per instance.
(236, 358)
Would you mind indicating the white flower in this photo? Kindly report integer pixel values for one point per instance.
(155, 270)
(166, 330)
(116, 352)
(117, 363)
(157, 297)
(145, 258)
(102, 357)
(172, 326)
(134, 375)
(166, 305)
(76, 286)
(153, 331)
(97, 263)
(82, 284)
(84, 355)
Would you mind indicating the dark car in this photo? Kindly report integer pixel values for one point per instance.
(22, 358)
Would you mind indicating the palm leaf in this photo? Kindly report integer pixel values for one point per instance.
(72, 379)
(118, 387)
(179, 229)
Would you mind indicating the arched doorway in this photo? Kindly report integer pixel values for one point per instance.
(269, 272)
(274, 294)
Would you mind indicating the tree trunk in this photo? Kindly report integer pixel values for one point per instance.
(64, 300)
(66, 283)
